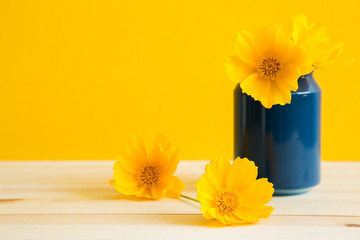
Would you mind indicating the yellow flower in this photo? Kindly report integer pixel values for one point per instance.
(315, 40)
(267, 65)
(148, 175)
(231, 194)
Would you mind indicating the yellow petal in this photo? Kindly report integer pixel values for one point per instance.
(233, 219)
(123, 177)
(126, 190)
(305, 62)
(205, 209)
(278, 95)
(162, 156)
(161, 147)
(144, 192)
(254, 214)
(176, 188)
(169, 186)
(285, 94)
(130, 165)
(204, 187)
(237, 70)
(216, 172)
(258, 194)
(288, 78)
(203, 196)
(244, 48)
(266, 91)
(298, 26)
(272, 39)
(157, 192)
(215, 213)
(135, 151)
(300, 57)
(259, 88)
(242, 174)
(169, 166)
(254, 85)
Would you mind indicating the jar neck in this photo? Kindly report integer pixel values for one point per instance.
(306, 76)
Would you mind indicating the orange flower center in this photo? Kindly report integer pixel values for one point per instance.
(227, 202)
(148, 176)
(269, 67)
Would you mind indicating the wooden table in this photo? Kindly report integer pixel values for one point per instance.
(73, 200)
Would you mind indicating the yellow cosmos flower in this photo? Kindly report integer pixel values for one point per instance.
(148, 175)
(316, 41)
(267, 65)
(231, 194)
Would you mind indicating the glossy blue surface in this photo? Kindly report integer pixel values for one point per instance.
(284, 141)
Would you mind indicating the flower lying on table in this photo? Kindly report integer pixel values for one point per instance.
(231, 194)
(148, 175)
(227, 192)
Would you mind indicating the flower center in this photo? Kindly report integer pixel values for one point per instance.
(148, 176)
(269, 67)
(227, 202)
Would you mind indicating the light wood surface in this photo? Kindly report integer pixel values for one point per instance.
(73, 200)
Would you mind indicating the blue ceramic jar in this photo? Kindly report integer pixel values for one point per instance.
(283, 141)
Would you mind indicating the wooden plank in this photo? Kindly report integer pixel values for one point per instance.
(173, 227)
(73, 200)
(40, 187)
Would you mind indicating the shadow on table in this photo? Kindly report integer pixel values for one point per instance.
(191, 220)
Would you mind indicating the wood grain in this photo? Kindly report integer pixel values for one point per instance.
(73, 200)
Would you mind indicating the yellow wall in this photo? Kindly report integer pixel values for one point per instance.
(78, 77)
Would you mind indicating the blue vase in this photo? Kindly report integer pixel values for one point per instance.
(283, 141)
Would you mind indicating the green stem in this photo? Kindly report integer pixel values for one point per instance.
(190, 198)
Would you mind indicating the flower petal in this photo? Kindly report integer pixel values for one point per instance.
(259, 88)
(161, 144)
(272, 39)
(170, 163)
(126, 190)
(237, 70)
(157, 192)
(258, 194)
(217, 171)
(122, 177)
(254, 214)
(176, 188)
(253, 85)
(162, 156)
(130, 165)
(278, 95)
(214, 213)
(288, 78)
(244, 47)
(204, 187)
(298, 26)
(242, 174)
(135, 151)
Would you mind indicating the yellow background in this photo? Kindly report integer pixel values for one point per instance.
(79, 77)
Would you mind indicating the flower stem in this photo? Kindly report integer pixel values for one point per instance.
(190, 198)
